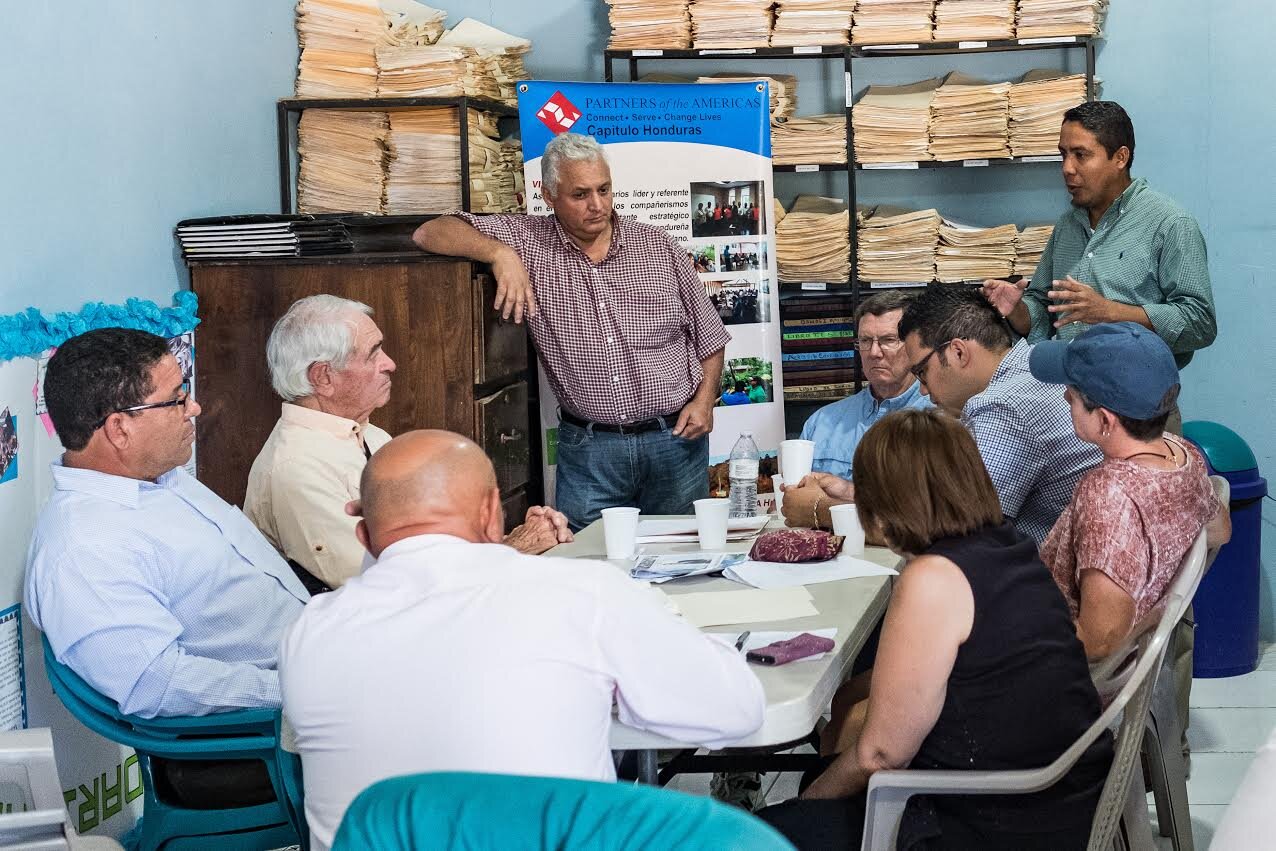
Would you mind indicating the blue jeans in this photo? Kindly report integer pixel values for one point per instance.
(656, 471)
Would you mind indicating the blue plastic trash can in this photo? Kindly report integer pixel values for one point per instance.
(1226, 602)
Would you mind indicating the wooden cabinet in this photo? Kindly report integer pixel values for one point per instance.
(459, 367)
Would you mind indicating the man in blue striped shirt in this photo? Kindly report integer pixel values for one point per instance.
(160, 595)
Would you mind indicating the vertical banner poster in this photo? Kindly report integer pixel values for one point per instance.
(695, 160)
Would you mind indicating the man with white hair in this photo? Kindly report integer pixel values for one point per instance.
(626, 334)
(327, 363)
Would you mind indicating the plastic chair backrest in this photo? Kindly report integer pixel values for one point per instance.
(239, 734)
(497, 812)
(889, 791)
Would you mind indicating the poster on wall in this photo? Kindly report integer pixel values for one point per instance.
(694, 160)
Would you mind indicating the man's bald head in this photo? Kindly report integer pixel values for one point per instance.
(429, 481)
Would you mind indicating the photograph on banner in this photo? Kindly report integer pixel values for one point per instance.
(8, 446)
(740, 299)
(728, 208)
(694, 160)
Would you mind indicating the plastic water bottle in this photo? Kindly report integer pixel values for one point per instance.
(744, 476)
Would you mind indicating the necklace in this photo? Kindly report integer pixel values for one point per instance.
(1169, 457)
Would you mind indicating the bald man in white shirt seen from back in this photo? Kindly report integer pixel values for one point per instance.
(454, 652)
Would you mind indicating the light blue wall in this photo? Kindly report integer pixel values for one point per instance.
(120, 118)
(123, 117)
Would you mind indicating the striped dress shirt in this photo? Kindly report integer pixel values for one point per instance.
(159, 594)
(1023, 428)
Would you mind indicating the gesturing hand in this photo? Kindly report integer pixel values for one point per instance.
(695, 419)
(1079, 303)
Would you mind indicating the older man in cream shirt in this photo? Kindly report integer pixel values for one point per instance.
(327, 363)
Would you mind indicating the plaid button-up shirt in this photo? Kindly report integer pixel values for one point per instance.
(622, 340)
(1023, 428)
(1147, 251)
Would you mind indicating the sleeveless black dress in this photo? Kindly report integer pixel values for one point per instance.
(1019, 695)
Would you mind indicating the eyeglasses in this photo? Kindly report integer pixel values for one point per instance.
(183, 396)
(890, 345)
(919, 369)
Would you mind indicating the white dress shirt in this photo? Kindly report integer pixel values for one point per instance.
(300, 482)
(159, 594)
(452, 656)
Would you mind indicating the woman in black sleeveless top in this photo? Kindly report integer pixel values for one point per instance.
(978, 667)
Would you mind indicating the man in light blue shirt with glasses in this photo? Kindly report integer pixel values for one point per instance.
(160, 595)
(837, 428)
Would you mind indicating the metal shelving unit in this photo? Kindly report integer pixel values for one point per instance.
(850, 54)
(286, 129)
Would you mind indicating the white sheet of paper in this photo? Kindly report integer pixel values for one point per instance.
(692, 538)
(715, 608)
(762, 639)
(770, 575)
(687, 525)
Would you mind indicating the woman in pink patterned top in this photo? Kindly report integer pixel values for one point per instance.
(1117, 546)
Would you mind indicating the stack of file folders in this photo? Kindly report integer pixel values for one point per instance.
(813, 242)
(818, 347)
(892, 21)
(649, 23)
(1037, 104)
(226, 237)
(730, 23)
(897, 246)
(1029, 246)
(803, 22)
(969, 119)
(1057, 18)
(970, 253)
(892, 123)
(809, 139)
(970, 20)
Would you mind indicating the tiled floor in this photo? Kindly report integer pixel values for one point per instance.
(1230, 719)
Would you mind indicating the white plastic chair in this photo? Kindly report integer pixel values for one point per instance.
(1166, 768)
(1122, 798)
(29, 783)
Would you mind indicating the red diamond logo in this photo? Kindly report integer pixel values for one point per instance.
(558, 114)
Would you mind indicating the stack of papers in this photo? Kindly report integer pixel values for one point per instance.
(660, 569)
(970, 119)
(969, 253)
(500, 55)
(1046, 18)
(730, 23)
(783, 88)
(802, 22)
(974, 20)
(892, 21)
(338, 41)
(424, 168)
(809, 139)
(892, 123)
(342, 161)
(649, 24)
(717, 608)
(261, 236)
(765, 574)
(898, 245)
(812, 242)
(411, 24)
(512, 161)
(433, 71)
(684, 529)
(1037, 105)
(1029, 245)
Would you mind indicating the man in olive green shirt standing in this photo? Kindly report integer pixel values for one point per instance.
(1123, 253)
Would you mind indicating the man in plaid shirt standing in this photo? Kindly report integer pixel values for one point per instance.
(626, 334)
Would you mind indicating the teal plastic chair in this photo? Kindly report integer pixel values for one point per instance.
(241, 734)
(478, 812)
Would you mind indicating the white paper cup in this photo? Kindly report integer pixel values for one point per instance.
(711, 522)
(620, 530)
(846, 522)
(795, 459)
(777, 481)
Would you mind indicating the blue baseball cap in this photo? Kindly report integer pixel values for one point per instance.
(1121, 366)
